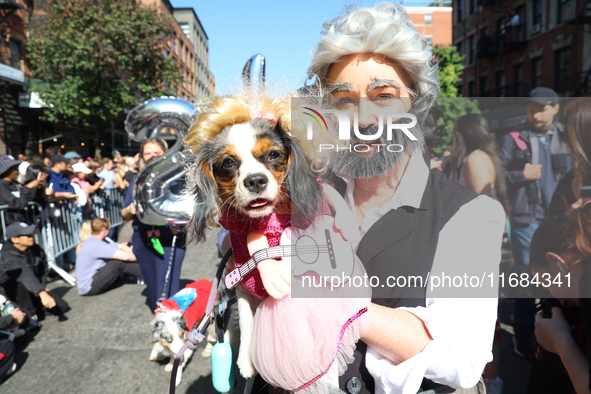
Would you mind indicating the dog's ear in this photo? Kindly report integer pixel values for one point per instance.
(180, 322)
(205, 191)
(304, 190)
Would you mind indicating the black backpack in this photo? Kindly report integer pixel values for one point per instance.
(6, 355)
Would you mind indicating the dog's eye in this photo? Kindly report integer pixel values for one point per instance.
(228, 163)
(273, 155)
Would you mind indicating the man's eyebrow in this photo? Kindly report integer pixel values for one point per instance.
(377, 83)
(339, 87)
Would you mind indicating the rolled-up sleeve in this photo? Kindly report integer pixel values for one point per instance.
(462, 327)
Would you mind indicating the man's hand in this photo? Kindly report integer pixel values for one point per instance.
(276, 277)
(550, 332)
(46, 299)
(532, 172)
(18, 316)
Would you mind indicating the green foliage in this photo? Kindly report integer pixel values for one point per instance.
(450, 105)
(100, 57)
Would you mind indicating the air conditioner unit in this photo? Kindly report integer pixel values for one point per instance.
(535, 29)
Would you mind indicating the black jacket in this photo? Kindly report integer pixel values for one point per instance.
(16, 197)
(524, 194)
(28, 268)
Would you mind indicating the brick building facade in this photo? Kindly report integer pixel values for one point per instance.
(512, 47)
(434, 23)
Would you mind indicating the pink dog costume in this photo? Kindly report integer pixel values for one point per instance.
(296, 341)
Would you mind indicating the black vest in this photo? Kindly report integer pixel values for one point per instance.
(403, 242)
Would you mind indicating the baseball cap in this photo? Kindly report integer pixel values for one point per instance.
(7, 162)
(72, 155)
(18, 229)
(58, 159)
(543, 96)
(81, 167)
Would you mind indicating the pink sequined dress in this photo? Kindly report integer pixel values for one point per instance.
(299, 344)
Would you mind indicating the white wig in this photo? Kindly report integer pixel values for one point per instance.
(384, 29)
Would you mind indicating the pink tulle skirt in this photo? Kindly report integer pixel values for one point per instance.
(296, 340)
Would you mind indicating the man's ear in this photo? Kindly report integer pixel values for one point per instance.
(554, 258)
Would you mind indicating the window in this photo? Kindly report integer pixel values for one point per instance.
(536, 72)
(562, 69)
(537, 14)
(181, 52)
(565, 10)
(500, 83)
(472, 5)
(519, 80)
(472, 89)
(185, 28)
(166, 53)
(15, 54)
(483, 86)
(173, 43)
(459, 10)
(428, 19)
(429, 41)
(471, 49)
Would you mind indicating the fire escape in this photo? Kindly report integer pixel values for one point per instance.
(509, 35)
(581, 19)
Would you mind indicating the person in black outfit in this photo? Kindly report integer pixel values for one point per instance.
(14, 194)
(561, 246)
(23, 273)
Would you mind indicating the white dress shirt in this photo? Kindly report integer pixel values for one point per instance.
(462, 328)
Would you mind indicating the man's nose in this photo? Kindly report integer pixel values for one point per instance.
(367, 113)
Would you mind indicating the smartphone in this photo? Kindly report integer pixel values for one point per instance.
(586, 192)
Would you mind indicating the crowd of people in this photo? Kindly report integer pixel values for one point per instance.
(24, 269)
(429, 220)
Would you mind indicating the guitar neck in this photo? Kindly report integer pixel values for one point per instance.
(264, 254)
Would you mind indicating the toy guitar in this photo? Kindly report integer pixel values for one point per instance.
(318, 249)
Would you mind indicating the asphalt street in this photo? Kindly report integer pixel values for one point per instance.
(104, 345)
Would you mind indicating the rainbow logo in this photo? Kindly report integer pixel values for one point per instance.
(317, 117)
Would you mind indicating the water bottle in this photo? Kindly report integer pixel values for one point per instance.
(222, 373)
(6, 305)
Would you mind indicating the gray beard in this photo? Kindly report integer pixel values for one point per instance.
(360, 166)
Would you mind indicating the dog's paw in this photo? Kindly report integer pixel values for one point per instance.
(169, 367)
(207, 351)
(245, 365)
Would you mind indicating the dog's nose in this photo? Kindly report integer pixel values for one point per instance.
(256, 183)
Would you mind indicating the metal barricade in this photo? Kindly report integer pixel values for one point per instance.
(60, 222)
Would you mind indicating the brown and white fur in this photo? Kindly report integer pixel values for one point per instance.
(249, 163)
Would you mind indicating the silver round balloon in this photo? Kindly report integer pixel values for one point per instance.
(158, 187)
(253, 73)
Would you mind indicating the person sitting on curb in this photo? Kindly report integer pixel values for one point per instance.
(23, 274)
(98, 262)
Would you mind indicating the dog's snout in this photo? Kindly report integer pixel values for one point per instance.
(256, 183)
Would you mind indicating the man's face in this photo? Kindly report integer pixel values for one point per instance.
(541, 115)
(13, 173)
(370, 85)
(24, 240)
(59, 167)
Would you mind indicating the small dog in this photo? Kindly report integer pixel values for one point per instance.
(171, 322)
(169, 331)
(247, 161)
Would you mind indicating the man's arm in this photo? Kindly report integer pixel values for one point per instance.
(124, 253)
(457, 331)
(6, 196)
(20, 271)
